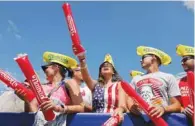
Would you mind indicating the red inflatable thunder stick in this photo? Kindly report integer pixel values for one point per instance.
(35, 84)
(76, 44)
(131, 92)
(190, 78)
(14, 84)
(112, 121)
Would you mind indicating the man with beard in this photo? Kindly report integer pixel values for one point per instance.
(187, 62)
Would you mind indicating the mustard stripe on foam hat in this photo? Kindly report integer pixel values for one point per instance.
(108, 58)
(66, 61)
(134, 73)
(143, 50)
(184, 50)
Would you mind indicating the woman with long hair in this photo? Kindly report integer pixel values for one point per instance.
(64, 95)
(108, 95)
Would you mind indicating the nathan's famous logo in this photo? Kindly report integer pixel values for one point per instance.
(189, 50)
(8, 78)
(37, 86)
(149, 81)
(149, 50)
(58, 58)
(71, 25)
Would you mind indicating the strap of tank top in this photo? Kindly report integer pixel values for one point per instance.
(56, 88)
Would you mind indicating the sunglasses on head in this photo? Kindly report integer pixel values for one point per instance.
(187, 58)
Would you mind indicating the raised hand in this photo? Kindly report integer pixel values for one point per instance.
(78, 49)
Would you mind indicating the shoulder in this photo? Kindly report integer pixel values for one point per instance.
(70, 82)
(167, 75)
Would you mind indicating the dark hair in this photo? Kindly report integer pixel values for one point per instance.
(158, 60)
(70, 73)
(115, 76)
(64, 70)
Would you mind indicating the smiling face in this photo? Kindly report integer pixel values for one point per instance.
(106, 69)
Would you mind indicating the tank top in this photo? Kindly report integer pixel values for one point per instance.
(105, 100)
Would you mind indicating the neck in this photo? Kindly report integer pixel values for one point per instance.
(107, 79)
(192, 70)
(78, 81)
(153, 69)
(56, 79)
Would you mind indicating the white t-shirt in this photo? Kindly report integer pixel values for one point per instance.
(86, 94)
(159, 86)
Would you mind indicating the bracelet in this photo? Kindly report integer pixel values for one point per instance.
(65, 110)
(163, 108)
(81, 60)
(84, 67)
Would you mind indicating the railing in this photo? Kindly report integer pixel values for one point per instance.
(92, 119)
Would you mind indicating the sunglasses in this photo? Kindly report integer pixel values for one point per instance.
(144, 56)
(186, 58)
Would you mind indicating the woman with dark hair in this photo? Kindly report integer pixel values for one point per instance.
(64, 95)
(108, 95)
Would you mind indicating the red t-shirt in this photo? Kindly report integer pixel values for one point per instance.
(185, 92)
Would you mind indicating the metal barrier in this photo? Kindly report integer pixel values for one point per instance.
(92, 119)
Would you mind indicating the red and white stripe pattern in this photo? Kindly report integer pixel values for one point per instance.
(111, 98)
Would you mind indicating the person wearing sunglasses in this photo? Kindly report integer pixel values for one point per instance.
(159, 89)
(187, 62)
(64, 94)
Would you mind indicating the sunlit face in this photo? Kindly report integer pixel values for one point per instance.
(187, 63)
(106, 69)
(146, 61)
(77, 73)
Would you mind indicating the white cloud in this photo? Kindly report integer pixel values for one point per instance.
(189, 5)
(18, 36)
(12, 28)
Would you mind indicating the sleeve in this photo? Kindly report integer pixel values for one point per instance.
(132, 83)
(173, 87)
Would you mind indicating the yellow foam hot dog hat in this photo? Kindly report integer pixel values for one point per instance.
(108, 58)
(184, 50)
(134, 73)
(66, 61)
(164, 58)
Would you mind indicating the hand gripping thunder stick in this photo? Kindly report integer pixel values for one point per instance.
(35, 84)
(14, 84)
(190, 79)
(131, 92)
(112, 121)
(76, 44)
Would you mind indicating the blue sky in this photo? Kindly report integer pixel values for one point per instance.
(104, 27)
